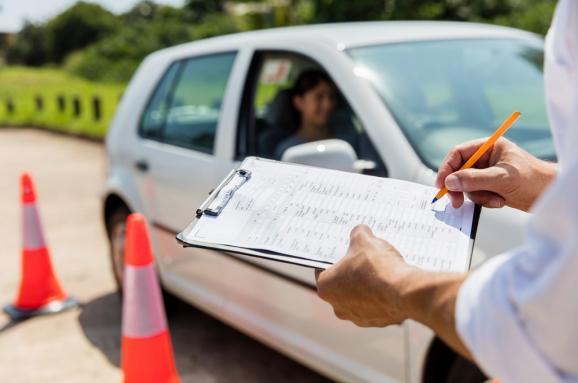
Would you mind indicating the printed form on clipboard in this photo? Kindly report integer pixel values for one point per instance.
(303, 215)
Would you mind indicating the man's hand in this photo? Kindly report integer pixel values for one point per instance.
(372, 286)
(366, 286)
(504, 175)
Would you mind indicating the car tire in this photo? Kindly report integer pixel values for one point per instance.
(116, 230)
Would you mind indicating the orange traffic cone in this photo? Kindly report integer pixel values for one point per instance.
(40, 292)
(147, 354)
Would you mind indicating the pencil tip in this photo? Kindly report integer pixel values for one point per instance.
(434, 200)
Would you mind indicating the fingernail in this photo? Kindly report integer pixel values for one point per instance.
(453, 183)
(496, 202)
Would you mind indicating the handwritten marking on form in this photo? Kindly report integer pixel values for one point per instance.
(308, 213)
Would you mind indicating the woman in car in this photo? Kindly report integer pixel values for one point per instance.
(313, 97)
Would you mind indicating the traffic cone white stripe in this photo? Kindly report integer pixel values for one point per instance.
(34, 237)
(142, 303)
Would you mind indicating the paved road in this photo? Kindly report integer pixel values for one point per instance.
(83, 345)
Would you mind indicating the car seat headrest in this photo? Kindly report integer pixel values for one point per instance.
(280, 112)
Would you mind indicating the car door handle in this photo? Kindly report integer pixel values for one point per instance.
(142, 165)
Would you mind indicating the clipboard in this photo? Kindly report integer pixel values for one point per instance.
(219, 198)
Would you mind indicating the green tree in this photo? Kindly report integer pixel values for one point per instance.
(338, 10)
(142, 11)
(199, 9)
(115, 57)
(533, 15)
(30, 46)
(77, 27)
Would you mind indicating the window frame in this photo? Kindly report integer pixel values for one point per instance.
(245, 120)
(181, 63)
(247, 108)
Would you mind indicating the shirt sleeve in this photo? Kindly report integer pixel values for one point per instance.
(561, 79)
(491, 329)
(518, 313)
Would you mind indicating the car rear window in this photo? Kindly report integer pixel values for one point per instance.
(184, 110)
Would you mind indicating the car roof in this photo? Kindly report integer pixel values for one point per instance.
(355, 34)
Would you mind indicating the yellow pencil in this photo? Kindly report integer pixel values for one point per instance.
(483, 149)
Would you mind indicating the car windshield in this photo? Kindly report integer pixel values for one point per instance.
(445, 92)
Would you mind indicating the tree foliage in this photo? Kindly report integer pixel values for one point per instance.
(199, 9)
(116, 57)
(31, 46)
(74, 29)
(532, 15)
(92, 42)
(78, 27)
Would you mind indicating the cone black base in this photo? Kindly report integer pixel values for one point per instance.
(53, 307)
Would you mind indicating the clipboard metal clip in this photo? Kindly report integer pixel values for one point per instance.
(223, 193)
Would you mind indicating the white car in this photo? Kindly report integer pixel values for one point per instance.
(408, 92)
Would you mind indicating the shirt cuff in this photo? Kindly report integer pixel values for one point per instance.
(490, 327)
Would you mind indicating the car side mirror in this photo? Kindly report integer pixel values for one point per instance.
(332, 154)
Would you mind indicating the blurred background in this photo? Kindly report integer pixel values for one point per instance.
(65, 64)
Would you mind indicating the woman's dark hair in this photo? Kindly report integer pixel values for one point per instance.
(308, 80)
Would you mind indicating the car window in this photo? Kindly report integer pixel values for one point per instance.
(270, 120)
(186, 105)
(155, 114)
(196, 101)
(450, 91)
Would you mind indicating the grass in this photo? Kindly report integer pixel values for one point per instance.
(22, 86)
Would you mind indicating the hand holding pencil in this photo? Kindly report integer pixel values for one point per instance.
(504, 174)
(483, 149)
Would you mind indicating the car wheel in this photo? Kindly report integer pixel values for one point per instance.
(116, 227)
(463, 371)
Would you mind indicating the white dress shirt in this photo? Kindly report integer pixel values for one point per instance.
(518, 313)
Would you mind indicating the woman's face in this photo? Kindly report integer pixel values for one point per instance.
(317, 104)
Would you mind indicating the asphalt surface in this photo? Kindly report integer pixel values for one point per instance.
(83, 345)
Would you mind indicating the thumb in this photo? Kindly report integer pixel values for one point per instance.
(472, 180)
(360, 232)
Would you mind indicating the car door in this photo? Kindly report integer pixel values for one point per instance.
(176, 163)
(380, 350)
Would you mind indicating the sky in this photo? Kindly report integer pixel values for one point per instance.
(13, 13)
